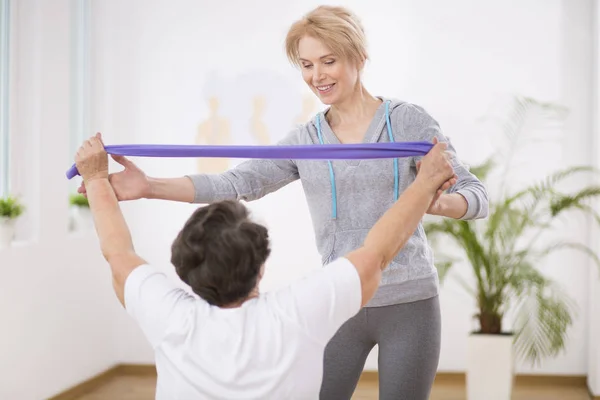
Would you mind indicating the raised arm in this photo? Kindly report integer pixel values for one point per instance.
(391, 232)
(113, 233)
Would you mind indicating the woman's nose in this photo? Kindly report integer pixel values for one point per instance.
(318, 75)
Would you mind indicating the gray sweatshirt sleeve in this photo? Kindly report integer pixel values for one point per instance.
(250, 180)
(417, 125)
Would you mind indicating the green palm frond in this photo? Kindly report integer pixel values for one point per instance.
(566, 202)
(542, 322)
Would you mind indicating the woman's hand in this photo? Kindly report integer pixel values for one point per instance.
(129, 184)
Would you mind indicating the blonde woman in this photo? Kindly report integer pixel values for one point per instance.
(346, 198)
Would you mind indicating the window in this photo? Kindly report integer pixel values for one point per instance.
(4, 91)
(80, 73)
(80, 100)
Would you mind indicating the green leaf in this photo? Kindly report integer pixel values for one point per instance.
(543, 319)
(78, 200)
(11, 207)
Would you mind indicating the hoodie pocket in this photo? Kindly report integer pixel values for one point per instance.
(343, 242)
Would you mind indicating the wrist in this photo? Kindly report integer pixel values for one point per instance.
(425, 184)
(441, 205)
(94, 176)
(152, 190)
(91, 182)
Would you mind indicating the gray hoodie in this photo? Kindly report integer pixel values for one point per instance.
(347, 197)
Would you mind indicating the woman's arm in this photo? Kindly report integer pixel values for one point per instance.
(248, 181)
(173, 189)
(468, 198)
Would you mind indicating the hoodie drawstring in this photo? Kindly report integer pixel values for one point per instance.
(331, 174)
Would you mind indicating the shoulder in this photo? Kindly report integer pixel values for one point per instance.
(406, 112)
(151, 280)
(303, 133)
(411, 120)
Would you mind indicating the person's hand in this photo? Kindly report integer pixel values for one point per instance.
(435, 207)
(436, 172)
(129, 184)
(91, 159)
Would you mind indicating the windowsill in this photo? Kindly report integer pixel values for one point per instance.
(17, 245)
(79, 233)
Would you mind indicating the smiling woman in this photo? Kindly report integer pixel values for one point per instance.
(329, 46)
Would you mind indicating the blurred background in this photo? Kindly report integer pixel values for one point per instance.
(513, 80)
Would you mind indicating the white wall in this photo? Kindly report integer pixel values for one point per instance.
(594, 277)
(456, 59)
(152, 67)
(60, 321)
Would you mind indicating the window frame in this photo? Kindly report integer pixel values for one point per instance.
(5, 109)
(80, 97)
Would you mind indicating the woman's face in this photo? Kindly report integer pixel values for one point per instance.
(330, 77)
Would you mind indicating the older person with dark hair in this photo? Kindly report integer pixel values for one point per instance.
(225, 340)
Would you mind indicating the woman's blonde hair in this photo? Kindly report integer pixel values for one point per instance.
(337, 27)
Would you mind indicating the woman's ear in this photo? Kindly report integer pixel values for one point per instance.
(362, 64)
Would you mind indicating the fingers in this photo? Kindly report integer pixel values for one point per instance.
(122, 160)
(99, 137)
(445, 186)
(448, 184)
(93, 144)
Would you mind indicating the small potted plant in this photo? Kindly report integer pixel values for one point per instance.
(10, 209)
(81, 216)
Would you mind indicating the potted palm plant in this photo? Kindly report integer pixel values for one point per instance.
(10, 209)
(505, 254)
(81, 216)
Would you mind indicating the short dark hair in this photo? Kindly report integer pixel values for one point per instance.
(219, 252)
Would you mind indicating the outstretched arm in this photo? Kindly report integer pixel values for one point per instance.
(113, 233)
(248, 181)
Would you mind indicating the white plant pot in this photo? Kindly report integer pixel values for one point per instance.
(7, 231)
(490, 367)
(81, 218)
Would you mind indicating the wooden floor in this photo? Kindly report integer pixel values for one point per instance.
(141, 387)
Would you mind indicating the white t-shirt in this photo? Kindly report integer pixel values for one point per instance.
(269, 348)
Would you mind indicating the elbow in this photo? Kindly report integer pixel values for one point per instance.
(484, 204)
(477, 202)
(485, 210)
(113, 257)
(122, 263)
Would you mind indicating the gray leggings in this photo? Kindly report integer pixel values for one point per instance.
(408, 336)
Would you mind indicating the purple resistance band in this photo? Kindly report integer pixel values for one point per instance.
(362, 151)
